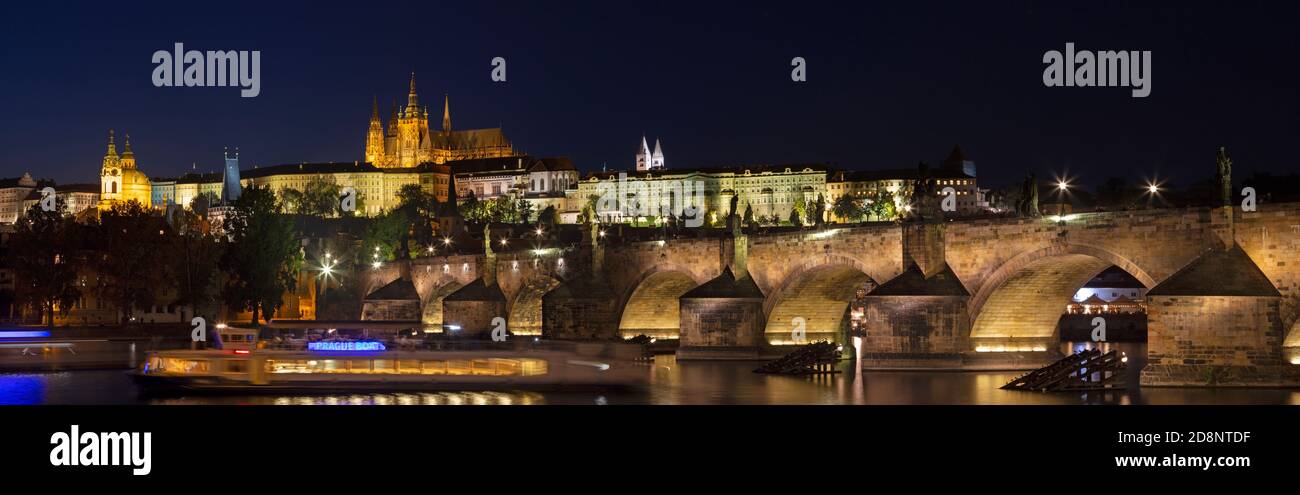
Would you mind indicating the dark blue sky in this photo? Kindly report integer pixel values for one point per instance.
(888, 85)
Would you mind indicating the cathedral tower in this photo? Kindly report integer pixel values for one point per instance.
(375, 136)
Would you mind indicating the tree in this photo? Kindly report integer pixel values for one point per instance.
(202, 202)
(590, 213)
(383, 240)
(264, 255)
(194, 256)
(797, 212)
(474, 210)
(817, 210)
(749, 216)
(524, 209)
(132, 243)
(294, 201)
(848, 208)
(43, 256)
(882, 205)
(502, 209)
(420, 209)
(547, 217)
(320, 197)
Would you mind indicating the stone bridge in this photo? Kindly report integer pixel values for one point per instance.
(1223, 305)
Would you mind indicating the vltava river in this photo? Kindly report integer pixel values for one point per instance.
(670, 383)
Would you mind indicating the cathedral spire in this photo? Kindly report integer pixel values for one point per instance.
(112, 149)
(446, 112)
(126, 151)
(374, 110)
(412, 101)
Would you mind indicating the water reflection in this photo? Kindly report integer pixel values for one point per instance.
(673, 382)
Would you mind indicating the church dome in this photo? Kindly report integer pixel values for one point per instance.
(134, 176)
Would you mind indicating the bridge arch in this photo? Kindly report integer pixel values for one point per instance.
(431, 312)
(650, 306)
(525, 311)
(1021, 302)
(818, 290)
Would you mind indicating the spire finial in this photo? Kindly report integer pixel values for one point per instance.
(374, 108)
(446, 112)
(412, 82)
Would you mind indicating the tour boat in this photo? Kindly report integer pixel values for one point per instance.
(338, 366)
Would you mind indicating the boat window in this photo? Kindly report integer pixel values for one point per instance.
(178, 365)
(434, 368)
(479, 367)
(289, 366)
(458, 367)
(385, 366)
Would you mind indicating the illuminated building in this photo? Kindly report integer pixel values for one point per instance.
(77, 198)
(771, 191)
(12, 193)
(120, 180)
(957, 172)
(407, 141)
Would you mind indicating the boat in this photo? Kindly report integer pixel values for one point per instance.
(330, 366)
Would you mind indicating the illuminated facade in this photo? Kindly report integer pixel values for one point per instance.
(120, 180)
(12, 193)
(407, 141)
(771, 191)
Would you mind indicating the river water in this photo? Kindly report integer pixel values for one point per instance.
(670, 382)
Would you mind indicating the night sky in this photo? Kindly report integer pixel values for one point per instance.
(888, 85)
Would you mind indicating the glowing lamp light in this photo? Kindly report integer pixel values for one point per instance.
(446, 241)
(376, 265)
(539, 232)
(1153, 189)
(346, 346)
(242, 351)
(1062, 185)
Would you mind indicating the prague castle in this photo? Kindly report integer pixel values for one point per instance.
(407, 141)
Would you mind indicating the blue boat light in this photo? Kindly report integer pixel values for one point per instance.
(24, 334)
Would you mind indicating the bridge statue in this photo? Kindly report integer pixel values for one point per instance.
(487, 238)
(733, 217)
(1224, 176)
(1027, 205)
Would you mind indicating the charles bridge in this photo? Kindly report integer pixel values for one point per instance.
(1223, 303)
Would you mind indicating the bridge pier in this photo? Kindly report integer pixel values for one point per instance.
(585, 307)
(470, 310)
(1217, 322)
(722, 319)
(916, 321)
